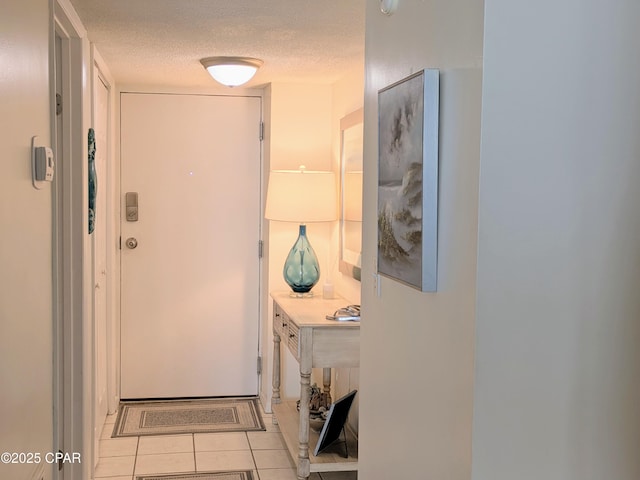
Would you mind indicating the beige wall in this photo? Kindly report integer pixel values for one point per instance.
(348, 96)
(416, 374)
(302, 127)
(25, 245)
(556, 318)
(558, 315)
(300, 134)
(299, 128)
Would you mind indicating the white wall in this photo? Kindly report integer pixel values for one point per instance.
(25, 245)
(416, 374)
(558, 313)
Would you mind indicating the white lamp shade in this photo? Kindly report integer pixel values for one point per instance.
(301, 196)
(231, 71)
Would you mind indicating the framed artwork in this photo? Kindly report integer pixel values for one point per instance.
(351, 146)
(93, 180)
(408, 180)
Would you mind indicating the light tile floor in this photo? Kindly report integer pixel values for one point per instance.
(262, 452)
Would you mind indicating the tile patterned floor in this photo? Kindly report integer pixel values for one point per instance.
(262, 452)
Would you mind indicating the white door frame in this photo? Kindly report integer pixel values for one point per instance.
(259, 94)
(72, 286)
(112, 217)
(105, 280)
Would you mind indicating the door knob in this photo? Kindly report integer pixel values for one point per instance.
(131, 243)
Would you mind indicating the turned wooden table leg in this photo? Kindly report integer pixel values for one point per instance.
(326, 382)
(275, 398)
(303, 446)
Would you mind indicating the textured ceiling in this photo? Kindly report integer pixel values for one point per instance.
(161, 42)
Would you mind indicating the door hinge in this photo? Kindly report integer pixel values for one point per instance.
(119, 243)
(259, 365)
(261, 131)
(58, 104)
(260, 248)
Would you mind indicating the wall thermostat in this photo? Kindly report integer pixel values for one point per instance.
(42, 164)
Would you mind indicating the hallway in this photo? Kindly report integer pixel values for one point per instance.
(262, 452)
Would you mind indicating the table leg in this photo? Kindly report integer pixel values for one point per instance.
(303, 438)
(326, 382)
(275, 398)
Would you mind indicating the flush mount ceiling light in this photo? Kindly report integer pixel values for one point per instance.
(231, 71)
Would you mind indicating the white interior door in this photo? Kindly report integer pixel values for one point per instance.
(190, 288)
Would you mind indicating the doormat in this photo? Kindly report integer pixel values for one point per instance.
(172, 417)
(239, 475)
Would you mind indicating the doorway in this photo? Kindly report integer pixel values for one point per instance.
(190, 266)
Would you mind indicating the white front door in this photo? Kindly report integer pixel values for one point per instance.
(190, 288)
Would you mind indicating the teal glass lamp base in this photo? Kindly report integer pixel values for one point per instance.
(301, 269)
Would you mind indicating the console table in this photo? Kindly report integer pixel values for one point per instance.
(315, 342)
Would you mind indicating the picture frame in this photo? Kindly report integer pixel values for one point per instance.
(408, 115)
(351, 168)
(334, 424)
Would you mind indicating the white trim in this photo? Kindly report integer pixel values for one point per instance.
(182, 90)
(101, 71)
(70, 278)
(68, 19)
(264, 346)
(100, 76)
(57, 277)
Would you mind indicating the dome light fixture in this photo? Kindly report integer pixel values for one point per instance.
(231, 71)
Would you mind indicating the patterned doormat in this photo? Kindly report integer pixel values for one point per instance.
(171, 417)
(239, 475)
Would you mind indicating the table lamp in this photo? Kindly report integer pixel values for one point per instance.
(301, 196)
